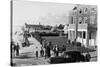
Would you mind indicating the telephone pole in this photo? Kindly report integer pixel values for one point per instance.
(76, 27)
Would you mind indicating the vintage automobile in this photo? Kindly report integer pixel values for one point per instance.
(68, 57)
(71, 55)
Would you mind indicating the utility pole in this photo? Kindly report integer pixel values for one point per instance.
(11, 44)
(76, 27)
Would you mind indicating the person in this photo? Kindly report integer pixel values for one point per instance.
(14, 50)
(36, 52)
(45, 53)
(47, 49)
(44, 43)
(69, 42)
(48, 52)
(88, 57)
(49, 45)
(73, 43)
(64, 48)
(17, 49)
(42, 52)
(56, 50)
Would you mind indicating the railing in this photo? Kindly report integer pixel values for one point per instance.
(80, 26)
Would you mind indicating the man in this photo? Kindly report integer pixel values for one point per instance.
(17, 49)
(47, 50)
(64, 48)
(56, 50)
(42, 52)
(88, 57)
(36, 52)
(13, 47)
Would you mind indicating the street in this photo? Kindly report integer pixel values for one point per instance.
(29, 58)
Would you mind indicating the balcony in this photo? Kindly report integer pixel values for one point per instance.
(80, 26)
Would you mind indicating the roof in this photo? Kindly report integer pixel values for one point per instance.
(34, 26)
(38, 27)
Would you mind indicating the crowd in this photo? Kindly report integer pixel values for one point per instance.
(45, 51)
(48, 50)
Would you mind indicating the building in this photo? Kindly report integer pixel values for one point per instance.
(82, 24)
(37, 28)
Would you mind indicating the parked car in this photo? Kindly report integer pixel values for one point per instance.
(68, 57)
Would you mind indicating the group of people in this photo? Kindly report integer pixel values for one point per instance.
(74, 43)
(47, 49)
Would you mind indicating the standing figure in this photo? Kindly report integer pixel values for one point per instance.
(36, 52)
(56, 50)
(42, 52)
(47, 51)
(17, 49)
(64, 48)
(48, 48)
(88, 57)
(13, 48)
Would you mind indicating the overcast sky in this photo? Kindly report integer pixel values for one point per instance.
(35, 12)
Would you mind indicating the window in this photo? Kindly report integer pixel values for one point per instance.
(80, 20)
(84, 34)
(85, 19)
(80, 11)
(89, 35)
(80, 34)
(92, 19)
(67, 24)
(85, 10)
(71, 20)
(93, 9)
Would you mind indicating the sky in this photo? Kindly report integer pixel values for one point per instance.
(40, 12)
